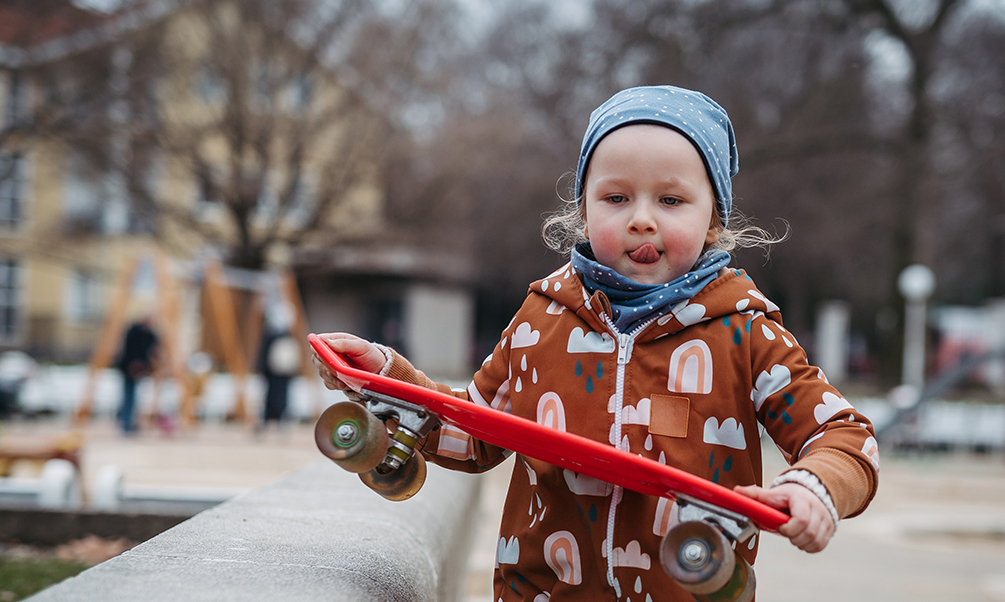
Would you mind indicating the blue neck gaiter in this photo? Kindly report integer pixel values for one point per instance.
(634, 304)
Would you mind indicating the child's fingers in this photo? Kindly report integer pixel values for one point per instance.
(810, 527)
(364, 354)
(807, 530)
(327, 377)
(770, 497)
(798, 528)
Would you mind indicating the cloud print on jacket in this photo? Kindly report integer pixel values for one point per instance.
(632, 556)
(730, 434)
(769, 383)
(580, 484)
(832, 405)
(525, 336)
(636, 414)
(508, 552)
(590, 342)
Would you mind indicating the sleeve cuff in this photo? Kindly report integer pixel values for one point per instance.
(388, 358)
(810, 481)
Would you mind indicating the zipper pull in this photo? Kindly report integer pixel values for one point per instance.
(623, 342)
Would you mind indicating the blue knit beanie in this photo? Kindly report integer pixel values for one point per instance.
(694, 115)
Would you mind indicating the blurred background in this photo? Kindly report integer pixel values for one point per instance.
(229, 172)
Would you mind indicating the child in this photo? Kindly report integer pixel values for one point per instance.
(647, 341)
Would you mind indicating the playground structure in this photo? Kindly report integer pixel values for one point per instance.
(219, 292)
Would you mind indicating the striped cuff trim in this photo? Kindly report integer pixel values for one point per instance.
(810, 481)
(388, 357)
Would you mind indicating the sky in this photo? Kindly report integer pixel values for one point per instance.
(102, 5)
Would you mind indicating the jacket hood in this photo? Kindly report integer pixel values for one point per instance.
(733, 291)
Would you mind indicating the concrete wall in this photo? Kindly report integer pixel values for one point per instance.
(318, 534)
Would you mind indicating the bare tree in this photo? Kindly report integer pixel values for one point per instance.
(967, 92)
(239, 98)
(921, 34)
(52, 58)
(252, 126)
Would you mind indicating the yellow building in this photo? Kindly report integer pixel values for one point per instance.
(73, 213)
(50, 288)
(154, 130)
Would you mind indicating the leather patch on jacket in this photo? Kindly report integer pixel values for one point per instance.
(668, 415)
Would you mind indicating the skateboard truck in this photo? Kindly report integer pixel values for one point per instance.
(698, 553)
(356, 438)
(414, 423)
(736, 526)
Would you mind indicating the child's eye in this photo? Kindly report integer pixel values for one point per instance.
(616, 199)
(669, 200)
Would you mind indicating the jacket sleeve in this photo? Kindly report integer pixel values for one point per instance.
(448, 445)
(815, 428)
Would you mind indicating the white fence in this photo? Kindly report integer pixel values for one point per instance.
(60, 389)
(953, 424)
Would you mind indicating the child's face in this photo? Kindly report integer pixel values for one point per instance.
(649, 204)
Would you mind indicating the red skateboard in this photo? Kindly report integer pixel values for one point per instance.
(697, 552)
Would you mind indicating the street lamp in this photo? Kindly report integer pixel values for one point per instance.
(916, 284)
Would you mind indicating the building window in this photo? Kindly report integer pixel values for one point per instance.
(83, 193)
(10, 297)
(15, 106)
(83, 301)
(12, 182)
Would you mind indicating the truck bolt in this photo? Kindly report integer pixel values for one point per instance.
(694, 554)
(346, 433)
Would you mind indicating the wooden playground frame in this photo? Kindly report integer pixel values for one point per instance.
(239, 352)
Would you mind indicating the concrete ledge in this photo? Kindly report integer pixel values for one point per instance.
(318, 534)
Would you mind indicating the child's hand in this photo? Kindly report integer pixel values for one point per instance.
(364, 354)
(811, 525)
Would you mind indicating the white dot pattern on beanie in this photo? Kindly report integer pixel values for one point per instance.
(714, 140)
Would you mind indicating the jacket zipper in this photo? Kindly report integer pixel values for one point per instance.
(625, 343)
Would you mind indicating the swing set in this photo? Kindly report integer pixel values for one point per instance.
(222, 290)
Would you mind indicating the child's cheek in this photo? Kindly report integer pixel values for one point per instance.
(683, 246)
(605, 244)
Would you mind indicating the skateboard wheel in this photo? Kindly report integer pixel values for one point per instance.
(351, 437)
(698, 557)
(740, 587)
(399, 484)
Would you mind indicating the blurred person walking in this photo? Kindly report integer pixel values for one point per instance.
(136, 360)
(279, 362)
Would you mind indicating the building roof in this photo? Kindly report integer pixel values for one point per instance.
(40, 31)
(28, 23)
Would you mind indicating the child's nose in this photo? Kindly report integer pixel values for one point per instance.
(642, 220)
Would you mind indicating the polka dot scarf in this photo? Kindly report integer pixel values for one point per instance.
(634, 304)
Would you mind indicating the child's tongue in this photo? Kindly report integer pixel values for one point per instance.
(647, 253)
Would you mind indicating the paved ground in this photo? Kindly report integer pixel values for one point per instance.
(936, 531)
(216, 457)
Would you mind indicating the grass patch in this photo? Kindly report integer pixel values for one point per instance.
(22, 576)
